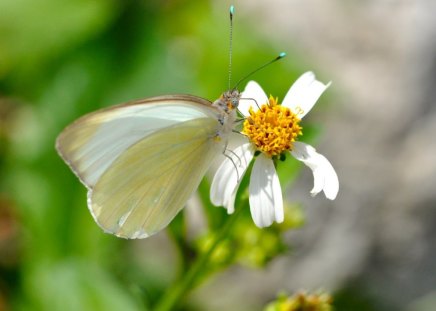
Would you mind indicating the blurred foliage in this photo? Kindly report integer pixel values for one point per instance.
(60, 59)
(249, 245)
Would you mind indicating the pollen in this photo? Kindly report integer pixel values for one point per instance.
(273, 128)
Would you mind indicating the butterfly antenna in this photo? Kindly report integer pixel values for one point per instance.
(280, 56)
(232, 11)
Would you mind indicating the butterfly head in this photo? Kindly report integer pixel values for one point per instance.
(228, 101)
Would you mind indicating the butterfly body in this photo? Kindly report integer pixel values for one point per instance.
(141, 161)
(227, 103)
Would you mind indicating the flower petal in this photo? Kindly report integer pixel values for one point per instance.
(252, 96)
(304, 93)
(324, 175)
(266, 202)
(225, 183)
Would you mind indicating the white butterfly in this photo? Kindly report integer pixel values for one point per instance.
(141, 161)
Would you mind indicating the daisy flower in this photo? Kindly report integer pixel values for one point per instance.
(272, 130)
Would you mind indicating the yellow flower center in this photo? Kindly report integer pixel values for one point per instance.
(273, 128)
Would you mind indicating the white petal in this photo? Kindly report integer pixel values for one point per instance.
(225, 183)
(324, 175)
(304, 93)
(252, 96)
(266, 202)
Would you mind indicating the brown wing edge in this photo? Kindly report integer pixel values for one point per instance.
(154, 100)
(182, 97)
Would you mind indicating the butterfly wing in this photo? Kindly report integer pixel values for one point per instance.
(137, 186)
(144, 189)
(90, 144)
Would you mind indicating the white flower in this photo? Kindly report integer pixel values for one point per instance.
(272, 129)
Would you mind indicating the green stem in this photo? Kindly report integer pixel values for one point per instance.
(176, 292)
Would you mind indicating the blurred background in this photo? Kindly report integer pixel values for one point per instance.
(374, 247)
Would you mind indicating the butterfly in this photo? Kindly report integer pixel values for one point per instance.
(141, 161)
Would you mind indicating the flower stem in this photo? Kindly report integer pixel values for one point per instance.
(175, 293)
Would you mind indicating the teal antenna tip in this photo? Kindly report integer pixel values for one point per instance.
(232, 10)
(282, 54)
